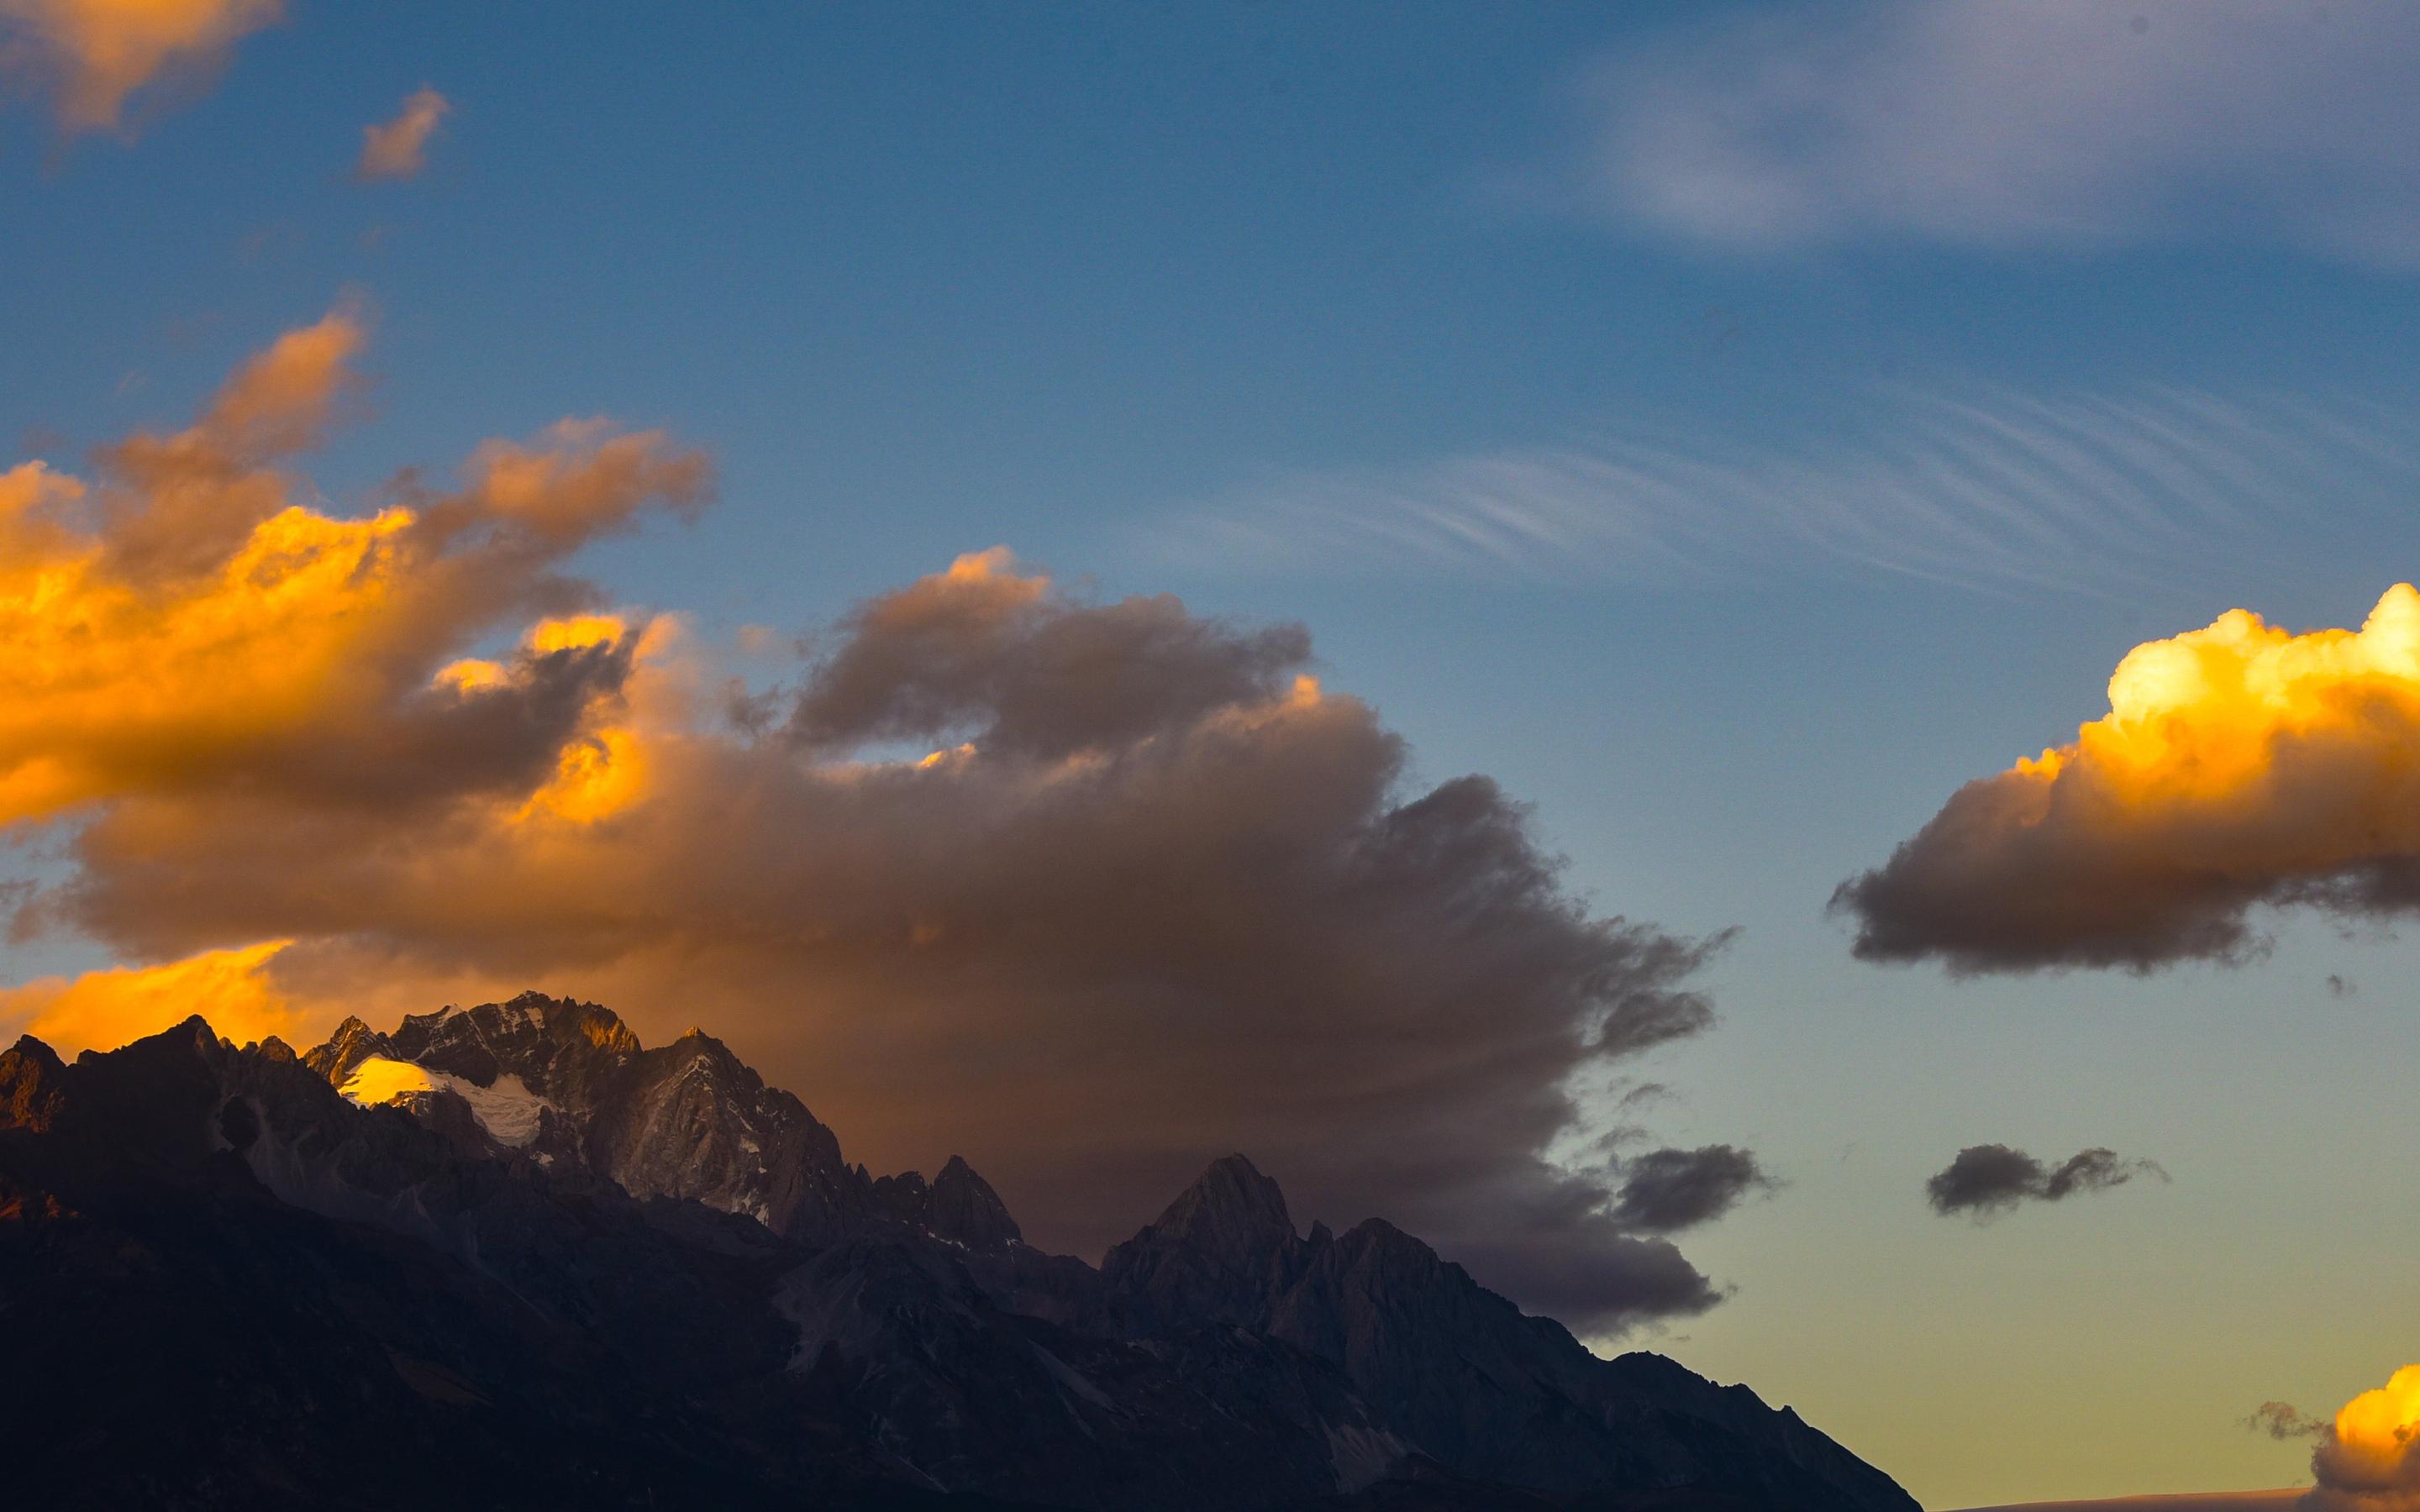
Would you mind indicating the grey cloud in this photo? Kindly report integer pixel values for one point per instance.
(2284, 1420)
(1665, 1191)
(1986, 1181)
(979, 651)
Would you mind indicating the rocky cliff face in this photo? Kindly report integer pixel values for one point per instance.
(570, 1084)
(224, 1285)
(545, 1266)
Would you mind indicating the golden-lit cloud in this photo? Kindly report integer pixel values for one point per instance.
(183, 624)
(103, 1010)
(2238, 765)
(1100, 888)
(95, 55)
(399, 148)
(2365, 1460)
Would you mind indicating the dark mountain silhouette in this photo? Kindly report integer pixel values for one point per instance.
(550, 1267)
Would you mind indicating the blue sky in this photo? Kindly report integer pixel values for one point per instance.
(1213, 300)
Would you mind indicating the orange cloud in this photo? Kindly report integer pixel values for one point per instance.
(103, 1010)
(2238, 765)
(95, 54)
(2367, 1460)
(399, 148)
(206, 630)
(281, 400)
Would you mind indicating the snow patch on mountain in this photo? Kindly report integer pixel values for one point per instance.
(508, 1110)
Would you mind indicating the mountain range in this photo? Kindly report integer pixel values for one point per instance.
(509, 1256)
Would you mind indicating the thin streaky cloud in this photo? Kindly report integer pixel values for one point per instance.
(1982, 488)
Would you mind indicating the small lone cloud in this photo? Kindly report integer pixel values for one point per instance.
(399, 147)
(1666, 1191)
(2342, 986)
(2284, 1420)
(1986, 1180)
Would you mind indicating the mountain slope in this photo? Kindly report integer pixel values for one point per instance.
(180, 1333)
(1495, 1394)
(547, 1266)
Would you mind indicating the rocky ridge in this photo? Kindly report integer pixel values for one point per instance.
(616, 1275)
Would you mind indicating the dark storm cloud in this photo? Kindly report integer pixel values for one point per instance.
(1666, 1191)
(1986, 1181)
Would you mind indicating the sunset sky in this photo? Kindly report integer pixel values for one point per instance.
(672, 506)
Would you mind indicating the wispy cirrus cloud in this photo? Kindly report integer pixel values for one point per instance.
(1981, 485)
(2025, 125)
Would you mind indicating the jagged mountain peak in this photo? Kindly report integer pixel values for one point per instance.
(570, 1084)
(963, 1208)
(28, 1048)
(193, 1032)
(958, 1207)
(1216, 1360)
(542, 1040)
(1230, 1209)
(30, 1093)
(1221, 1252)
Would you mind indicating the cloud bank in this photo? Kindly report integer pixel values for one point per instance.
(2239, 764)
(93, 56)
(1986, 1181)
(399, 148)
(1090, 890)
(2018, 125)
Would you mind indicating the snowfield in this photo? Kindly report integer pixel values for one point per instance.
(508, 1110)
